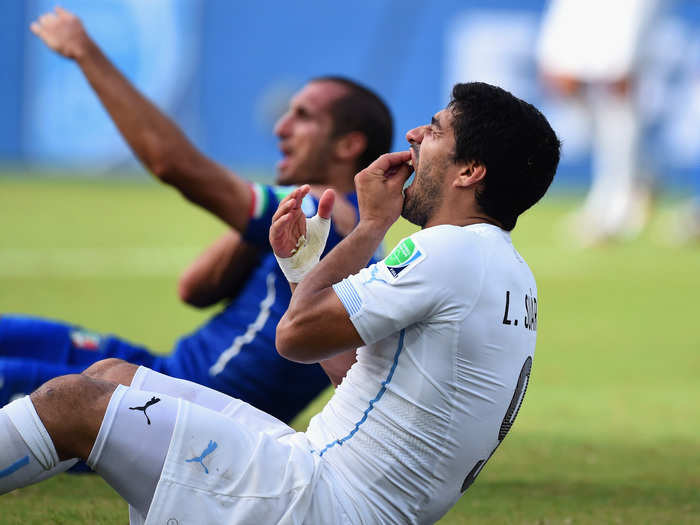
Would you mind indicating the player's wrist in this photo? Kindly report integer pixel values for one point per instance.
(81, 48)
(307, 253)
(375, 227)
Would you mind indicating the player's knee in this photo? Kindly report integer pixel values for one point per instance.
(102, 368)
(71, 408)
(113, 370)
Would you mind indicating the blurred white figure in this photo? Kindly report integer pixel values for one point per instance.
(590, 51)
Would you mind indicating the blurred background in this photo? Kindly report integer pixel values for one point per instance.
(609, 430)
(225, 70)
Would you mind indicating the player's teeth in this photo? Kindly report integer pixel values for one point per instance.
(410, 162)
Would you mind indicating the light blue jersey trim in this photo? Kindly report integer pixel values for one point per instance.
(373, 401)
(15, 467)
(348, 296)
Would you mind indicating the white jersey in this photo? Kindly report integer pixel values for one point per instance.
(449, 321)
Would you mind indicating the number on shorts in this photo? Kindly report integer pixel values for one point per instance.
(507, 422)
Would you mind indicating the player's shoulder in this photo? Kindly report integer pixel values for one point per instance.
(463, 242)
(438, 252)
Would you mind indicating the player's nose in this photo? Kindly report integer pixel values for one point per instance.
(415, 134)
(283, 125)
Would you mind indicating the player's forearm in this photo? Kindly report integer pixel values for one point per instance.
(315, 326)
(161, 146)
(218, 271)
(153, 137)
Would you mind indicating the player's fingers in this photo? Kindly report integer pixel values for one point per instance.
(389, 160)
(398, 175)
(301, 192)
(291, 199)
(47, 18)
(325, 203)
(61, 12)
(278, 233)
(283, 208)
(279, 227)
(35, 28)
(280, 222)
(291, 195)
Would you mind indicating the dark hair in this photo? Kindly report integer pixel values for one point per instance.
(512, 140)
(360, 109)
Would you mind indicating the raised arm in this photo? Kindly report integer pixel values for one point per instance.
(155, 139)
(316, 326)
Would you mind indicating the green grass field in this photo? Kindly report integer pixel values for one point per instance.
(610, 428)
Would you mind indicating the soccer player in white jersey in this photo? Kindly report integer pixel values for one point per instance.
(445, 327)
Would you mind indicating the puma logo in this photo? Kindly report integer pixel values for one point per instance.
(153, 401)
(211, 447)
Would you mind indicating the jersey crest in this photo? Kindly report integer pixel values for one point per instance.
(405, 256)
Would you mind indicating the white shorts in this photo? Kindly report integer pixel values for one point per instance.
(241, 466)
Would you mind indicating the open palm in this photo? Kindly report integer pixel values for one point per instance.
(288, 228)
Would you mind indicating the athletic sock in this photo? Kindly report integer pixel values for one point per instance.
(27, 453)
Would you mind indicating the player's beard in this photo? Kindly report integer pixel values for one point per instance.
(424, 195)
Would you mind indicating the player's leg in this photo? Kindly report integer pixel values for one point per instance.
(27, 449)
(122, 433)
(43, 339)
(20, 376)
(142, 378)
(41, 349)
(618, 198)
(65, 343)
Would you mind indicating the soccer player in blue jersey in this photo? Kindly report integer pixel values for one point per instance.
(333, 128)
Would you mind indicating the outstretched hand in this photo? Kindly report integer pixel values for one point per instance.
(62, 31)
(288, 227)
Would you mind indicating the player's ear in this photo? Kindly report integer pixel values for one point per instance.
(470, 174)
(350, 146)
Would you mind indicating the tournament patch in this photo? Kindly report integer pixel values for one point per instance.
(405, 256)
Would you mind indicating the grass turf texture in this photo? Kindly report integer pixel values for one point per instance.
(608, 432)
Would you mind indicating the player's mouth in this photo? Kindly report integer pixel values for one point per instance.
(286, 159)
(413, 164)
(415, 155)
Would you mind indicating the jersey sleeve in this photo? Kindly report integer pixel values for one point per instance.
(414, 283)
